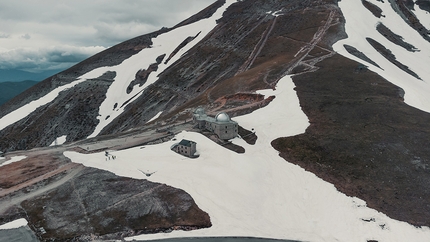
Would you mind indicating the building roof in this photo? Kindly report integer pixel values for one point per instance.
(187, 143)
(199, 111)
(222, 117)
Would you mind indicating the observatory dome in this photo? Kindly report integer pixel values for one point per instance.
(199, 111)
(222, 117)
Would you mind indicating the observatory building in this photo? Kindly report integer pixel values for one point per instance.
(221, 125)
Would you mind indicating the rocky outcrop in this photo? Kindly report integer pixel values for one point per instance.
(103, 204)
(70, 202)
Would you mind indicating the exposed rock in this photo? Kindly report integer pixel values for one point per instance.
(353, 51)
(391, 57)
(373, 8)
(424, 5)
(400, 7)
(101, 203)
(396, 39)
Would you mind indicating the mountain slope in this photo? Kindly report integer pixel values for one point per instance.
(363, 137)
(208, 64)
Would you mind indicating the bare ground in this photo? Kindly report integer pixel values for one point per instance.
(72, 202)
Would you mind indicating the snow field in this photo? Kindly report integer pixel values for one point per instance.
(361, 23)
(14, 224)
(257, 193)
(13, 159)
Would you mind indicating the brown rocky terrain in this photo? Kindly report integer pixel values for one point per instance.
(245, 52)
(64, 201)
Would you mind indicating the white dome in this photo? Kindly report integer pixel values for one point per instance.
(222, 117)
(199, 111)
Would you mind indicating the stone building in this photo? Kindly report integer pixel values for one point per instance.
(186, 148)
(221, 125)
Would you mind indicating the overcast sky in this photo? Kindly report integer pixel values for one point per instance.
(55, 34)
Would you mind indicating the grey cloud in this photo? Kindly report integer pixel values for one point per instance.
(26, 36)
(80, 23)
(148, 15)
(4, 36)
(47, 58)
(59, 57)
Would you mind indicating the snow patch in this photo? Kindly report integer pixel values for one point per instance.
(15, 224)
(14, 159)
(275, 13)
(155, 117)
(59, 140)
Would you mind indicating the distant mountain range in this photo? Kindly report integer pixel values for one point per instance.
(19, 75)
(14, 82)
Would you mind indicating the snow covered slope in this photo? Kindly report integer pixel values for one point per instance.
(361, 24)
(164, 44)
(257, 193)
(117, 96)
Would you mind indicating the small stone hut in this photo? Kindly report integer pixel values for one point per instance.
(221, 125)
(186, 148)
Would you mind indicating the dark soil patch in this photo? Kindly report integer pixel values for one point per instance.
(225, 143)
(353, 51)
(364, 139)
(424, 5)
(249, 136)
(105, 205)
(391, 57)
(27, 169)
(373, 8)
